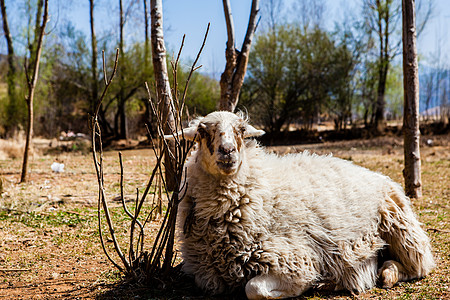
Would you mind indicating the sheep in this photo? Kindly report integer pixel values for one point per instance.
(277, 226)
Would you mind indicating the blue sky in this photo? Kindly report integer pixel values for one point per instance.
(191, 17)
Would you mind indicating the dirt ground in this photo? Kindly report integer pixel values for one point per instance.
(49, 241)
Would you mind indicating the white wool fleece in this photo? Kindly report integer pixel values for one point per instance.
(303, 218)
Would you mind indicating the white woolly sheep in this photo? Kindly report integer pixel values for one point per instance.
(278, 226)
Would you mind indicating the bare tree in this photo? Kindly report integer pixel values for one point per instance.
(32, 73)
(147, 65)
(12, 121)
(128, 85)
(411, 173)
(236, 61)
(271, 13)
(383, 15)
(94, 74)
(146, 40)
(309, 13)
(94, 82)
(382, 18)
(121, 118)
(164, 93)
(428, 89)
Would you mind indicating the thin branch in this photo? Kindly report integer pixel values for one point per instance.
(193, 68)
(96, 132)
(241, 66)
(27, 76)
(133, 218)
(98, 165)
(107, 82)
(230, 24)
(105, 77)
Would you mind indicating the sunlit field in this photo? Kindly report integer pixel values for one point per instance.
(49, 242)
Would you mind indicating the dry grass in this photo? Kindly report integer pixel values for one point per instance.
(49, 246)
(12, 148)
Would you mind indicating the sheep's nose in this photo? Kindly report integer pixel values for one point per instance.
(226, 149)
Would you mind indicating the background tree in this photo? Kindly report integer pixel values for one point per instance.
(67, 81)
(94, 79)
(411, 173)
(120, 120)
(236, 61)
(266, 85)
(309, 14)
(382, 21)
(436, 84)
(106, 128)
(32, 72)
(271, 13)
(12, 107)
(297, 75)
(147, 69)
(394, 92)
(343, 88)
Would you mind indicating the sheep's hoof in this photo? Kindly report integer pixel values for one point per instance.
(388, 275)
(272, 287)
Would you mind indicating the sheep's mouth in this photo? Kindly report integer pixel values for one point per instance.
(226, 165)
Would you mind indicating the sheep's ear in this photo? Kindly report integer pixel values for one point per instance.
(189, 134)
(251, 131)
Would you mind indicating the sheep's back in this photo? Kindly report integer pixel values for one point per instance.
(329, 203)
(343, 197)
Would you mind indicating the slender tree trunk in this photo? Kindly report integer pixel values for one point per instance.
(12, 107)
(162, 84)
(146, 40)
(122, 130)
(94, 82)
(147, 114)
(411, 173)
(381, 101)
(32, 81)
(236, 62)
(33, 44)
(383, 63)
(106, 128)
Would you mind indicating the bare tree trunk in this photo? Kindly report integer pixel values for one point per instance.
(236, 62)
(12, 107)
(146, 40)
(162, 84)
(411, 173)
(94, 83)
(106, 128)
(31, 81)
(121, 127)
(33, 45)
(147, 114)
(383, 15)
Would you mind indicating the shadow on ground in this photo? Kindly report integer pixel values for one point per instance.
(186, 289)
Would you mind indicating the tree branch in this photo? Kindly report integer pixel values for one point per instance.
(236, 62)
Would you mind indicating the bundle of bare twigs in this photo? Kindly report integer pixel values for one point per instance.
(154, 263)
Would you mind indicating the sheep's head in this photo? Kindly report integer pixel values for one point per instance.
(220, 137)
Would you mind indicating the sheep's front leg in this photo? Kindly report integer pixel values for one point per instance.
(273, 287)
(390, 273)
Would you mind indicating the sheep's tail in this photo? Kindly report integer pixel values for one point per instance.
(406, 241)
